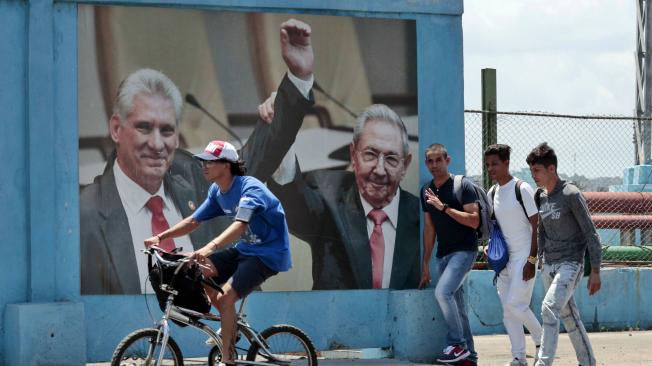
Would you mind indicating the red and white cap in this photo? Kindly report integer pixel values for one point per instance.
(219, 150)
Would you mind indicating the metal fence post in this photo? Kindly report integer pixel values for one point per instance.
(489, 120)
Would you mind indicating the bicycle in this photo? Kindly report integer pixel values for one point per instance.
(283, 345)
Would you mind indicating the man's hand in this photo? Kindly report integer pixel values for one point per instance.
(594, 283)
(266, 109)
(202, 253)
(296, 48)
(528, 271)
(154, 240)
(425, 277)
(432, 199)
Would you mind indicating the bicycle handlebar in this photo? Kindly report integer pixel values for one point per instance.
(180, 262)
(156, 252)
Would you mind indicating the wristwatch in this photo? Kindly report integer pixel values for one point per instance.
(532, 260)
(443, 209)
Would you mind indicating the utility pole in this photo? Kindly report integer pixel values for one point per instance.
(489, 120)
(642, 129)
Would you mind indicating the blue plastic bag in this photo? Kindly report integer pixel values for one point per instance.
(497, 253)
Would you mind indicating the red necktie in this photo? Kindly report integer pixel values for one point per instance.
(159, 223)
(377, 245)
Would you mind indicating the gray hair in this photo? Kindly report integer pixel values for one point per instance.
(148, 82)
(383, 113)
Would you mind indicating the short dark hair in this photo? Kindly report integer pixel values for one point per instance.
(238, 168)
(439, 147)
(542, 154)
(501, 150)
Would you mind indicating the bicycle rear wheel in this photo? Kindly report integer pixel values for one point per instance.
(287, 344)
(141, 348)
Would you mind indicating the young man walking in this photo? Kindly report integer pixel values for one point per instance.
(454, 225)
(518, 220)
(566, 232)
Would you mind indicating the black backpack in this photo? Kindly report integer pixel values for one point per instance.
(188, 284)
(486, 207)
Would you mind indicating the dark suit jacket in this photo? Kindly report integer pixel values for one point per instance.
(324, 209)
(108, 264)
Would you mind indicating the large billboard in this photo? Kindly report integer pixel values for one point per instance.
(328, 173)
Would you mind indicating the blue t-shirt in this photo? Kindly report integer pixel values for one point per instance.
(451, 235)
(267, 235)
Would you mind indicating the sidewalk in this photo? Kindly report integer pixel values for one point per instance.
(611, 349)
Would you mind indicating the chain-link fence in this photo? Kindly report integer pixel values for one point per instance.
(597, 153)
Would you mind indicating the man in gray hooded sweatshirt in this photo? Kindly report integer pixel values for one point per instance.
(565, 232)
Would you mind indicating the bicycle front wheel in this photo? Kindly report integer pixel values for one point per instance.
(142, 348)
(287, 345)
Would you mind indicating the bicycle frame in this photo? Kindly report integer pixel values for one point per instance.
(191, 318)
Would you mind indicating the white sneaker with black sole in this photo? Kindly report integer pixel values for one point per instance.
(516, 362)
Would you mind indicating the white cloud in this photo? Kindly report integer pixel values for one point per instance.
(556, 56)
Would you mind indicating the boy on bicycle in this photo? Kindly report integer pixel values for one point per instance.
(259, 223)
(259, 227)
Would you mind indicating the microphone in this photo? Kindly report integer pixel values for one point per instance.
(318, 88)
(190, 99)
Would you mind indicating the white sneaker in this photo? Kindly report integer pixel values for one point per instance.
(210, 341)
(516, 362)
(536, 354)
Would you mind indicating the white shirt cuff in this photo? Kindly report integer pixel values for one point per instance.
(286, 171)
(304, 86)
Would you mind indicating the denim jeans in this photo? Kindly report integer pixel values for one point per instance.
(449, 292)
(560, 281)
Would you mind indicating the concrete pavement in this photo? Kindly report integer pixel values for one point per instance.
(627, 348)
(611, 349)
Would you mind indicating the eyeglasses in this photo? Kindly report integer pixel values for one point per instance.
(390, 161)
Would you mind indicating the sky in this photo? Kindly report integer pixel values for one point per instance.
(564, 57)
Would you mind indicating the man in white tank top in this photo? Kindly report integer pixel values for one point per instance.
(518, 219)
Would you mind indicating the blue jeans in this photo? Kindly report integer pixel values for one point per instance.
(449, 292)
(560, 281)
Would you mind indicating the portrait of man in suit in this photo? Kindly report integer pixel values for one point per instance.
(153, 136)
(148, 184)
(362, 228)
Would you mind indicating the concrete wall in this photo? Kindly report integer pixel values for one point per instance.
(409, 322)
(43, 313)
(623, 301)
(39, 214)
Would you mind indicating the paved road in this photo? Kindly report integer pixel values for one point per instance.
(611, 348)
